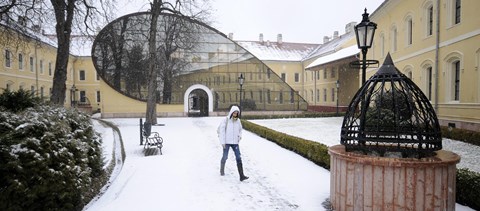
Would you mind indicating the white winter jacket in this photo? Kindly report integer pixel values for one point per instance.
(230, 130)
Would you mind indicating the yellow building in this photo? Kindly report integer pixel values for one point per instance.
(436, 43)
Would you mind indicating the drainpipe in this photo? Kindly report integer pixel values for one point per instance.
(36, 67)
(437, 48)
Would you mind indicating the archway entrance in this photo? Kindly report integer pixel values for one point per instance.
(198, 100)
(198, 103)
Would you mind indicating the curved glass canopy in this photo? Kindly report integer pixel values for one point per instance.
(188, 53)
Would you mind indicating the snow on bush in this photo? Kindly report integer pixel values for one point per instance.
(49, 156)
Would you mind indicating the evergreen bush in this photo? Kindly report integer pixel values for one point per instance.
(468, 188)
(49, 157)
(18, 101)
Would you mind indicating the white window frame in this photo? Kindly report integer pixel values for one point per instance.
(450, 75)
(21, 60)
(394, 41)
(408, 30)
(429, 17)
(7, 58)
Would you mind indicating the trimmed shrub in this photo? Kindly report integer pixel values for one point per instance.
(313, 151)
(467, 185)
(49, 157)
(467, 136)
(468, 188)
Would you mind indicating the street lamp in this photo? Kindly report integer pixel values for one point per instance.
(364, 32)
(338, 86)
(240, 81)
(72, 95)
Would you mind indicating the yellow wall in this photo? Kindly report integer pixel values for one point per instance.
(115, 104)
(456, 42)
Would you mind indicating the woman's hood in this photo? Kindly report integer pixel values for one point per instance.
(233, 109)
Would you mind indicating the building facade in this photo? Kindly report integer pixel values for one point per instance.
(436, 43)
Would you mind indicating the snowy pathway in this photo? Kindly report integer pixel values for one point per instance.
(186, 176)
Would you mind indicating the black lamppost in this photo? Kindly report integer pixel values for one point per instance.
(364, 32)
(73, 91)
(338, 86)
(240, 81)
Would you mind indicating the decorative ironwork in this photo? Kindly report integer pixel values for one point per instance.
(391, 114)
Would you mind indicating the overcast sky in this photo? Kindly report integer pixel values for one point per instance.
(306, 21)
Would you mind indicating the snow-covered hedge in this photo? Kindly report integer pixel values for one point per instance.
(49, 156)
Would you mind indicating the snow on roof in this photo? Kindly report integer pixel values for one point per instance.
(33, 32)
(343, 53)
(274, 51)
(331, 46)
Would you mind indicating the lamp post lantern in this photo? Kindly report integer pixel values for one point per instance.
(240, 82)
(338, 86)
(73, 91)
(365, 32)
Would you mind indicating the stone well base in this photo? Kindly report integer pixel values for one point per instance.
(363, 182)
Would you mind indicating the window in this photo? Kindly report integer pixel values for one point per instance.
(20, 61)
(82, 75)
(394, 39)
(280, 97)
(429, 83)
(333, 94)
(269, 100)
(430, 20)
(409, 75)
(260, 95)
(318, 95)
(333, 73)
(41, 66)
(382, 45)
(218, 78)
(32, 89)
(8, 58)
(50, 68)
(297, 77)
(99, 99)
(409, 31)
(41, 92)
(32, 65)
(458, 8)
(292, 96)
(456, 72)
(324, 95)
(325, 73)
(283, 77)
(83, 98)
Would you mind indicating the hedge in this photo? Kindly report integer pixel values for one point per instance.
(467, 185)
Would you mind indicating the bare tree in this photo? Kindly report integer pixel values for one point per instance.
(175, 37)
(79, 16)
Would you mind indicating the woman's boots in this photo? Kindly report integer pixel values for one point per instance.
(240, 172)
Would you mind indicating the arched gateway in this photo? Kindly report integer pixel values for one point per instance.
(196, 67)
(198, 100)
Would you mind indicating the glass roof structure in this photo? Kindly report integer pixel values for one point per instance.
(188, 53)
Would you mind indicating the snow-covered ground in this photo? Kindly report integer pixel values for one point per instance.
(327, 131)
(186, 176)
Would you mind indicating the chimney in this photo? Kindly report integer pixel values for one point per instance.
(230, 36)
(36, 28)
(279, 39)
(325, 39)
(335, 34)
(350, 27)
(260, 38)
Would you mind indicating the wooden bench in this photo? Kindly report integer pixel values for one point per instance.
(151, 139)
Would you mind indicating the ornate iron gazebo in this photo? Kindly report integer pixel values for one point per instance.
(391, 114)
